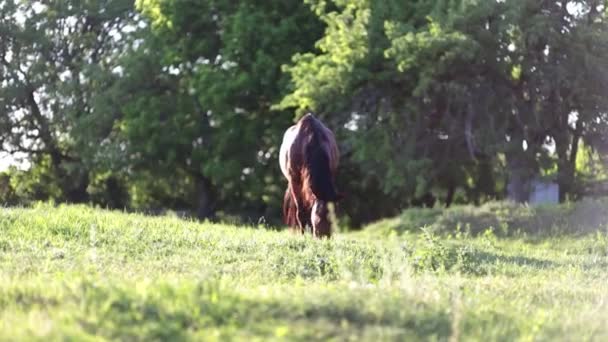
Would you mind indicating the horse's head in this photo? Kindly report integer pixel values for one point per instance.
(320, 219)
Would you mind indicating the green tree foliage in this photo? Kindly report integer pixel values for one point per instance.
(402, 74)
(435, 94)
(51, 57)
(200, 87)
(560, 47)
(183, 104)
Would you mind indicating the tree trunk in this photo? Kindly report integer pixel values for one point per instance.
(566, 165)
(75, 190)
(518, 188)
(116, 192)
(485, 185)
(449, 198)
(73, 184)
(519, 177)
(205, 204)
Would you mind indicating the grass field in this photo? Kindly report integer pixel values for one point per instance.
(76, 273)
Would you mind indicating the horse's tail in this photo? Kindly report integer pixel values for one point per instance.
(318, 164)
(289, 209)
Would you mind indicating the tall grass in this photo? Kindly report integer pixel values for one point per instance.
(72, 272)
(504, 218)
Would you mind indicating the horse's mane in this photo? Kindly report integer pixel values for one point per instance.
(318, 173)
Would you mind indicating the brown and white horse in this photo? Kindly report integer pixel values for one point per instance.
(309, 160)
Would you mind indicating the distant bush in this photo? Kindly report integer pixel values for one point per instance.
(504, 218)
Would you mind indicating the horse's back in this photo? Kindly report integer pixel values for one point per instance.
(326, 138)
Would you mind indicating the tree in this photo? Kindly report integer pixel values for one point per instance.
(560, 47)
(408, 87)
(434, 95)
(51, 56)
(197, 93)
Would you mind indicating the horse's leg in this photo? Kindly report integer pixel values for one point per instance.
(305, 218)
(299, 205)
(321, 226)
(304, 213)
(289, 208)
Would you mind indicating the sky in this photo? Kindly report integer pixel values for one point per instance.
(5, 162)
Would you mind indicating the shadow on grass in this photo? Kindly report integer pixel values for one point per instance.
(484, 257)
(176, 312)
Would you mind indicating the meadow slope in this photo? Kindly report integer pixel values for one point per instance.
(73, 272)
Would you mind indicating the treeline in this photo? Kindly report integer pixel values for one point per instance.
(152, 104)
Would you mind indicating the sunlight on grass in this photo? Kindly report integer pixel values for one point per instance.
(74, 272)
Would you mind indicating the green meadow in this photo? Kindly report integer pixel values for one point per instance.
(498, 272)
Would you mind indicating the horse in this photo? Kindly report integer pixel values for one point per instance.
(309, 161)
